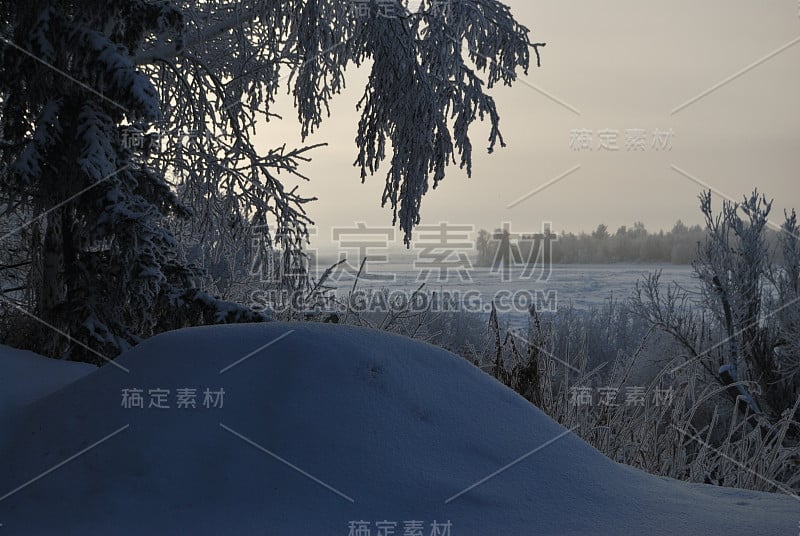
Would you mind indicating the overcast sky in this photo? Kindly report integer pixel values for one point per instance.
(622, 66)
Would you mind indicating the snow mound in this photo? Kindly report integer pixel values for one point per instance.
(322, 426)
(26, 377)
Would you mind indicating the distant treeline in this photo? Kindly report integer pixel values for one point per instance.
(627, 244)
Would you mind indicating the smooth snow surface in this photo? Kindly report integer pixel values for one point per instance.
(26, 377)
(325, 426)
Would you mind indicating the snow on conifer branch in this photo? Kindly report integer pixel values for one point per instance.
(128, 132)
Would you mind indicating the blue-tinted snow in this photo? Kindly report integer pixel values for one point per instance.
(327, 425)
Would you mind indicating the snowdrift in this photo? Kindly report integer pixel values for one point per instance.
(26, 377)
(319, 429)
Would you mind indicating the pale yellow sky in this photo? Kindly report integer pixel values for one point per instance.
(618, 65)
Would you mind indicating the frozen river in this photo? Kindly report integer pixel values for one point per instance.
(582, 286)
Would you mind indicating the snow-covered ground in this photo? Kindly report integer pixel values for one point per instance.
(319, 429)
(26, 377)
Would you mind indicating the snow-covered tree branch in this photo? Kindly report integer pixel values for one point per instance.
(127, 127)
